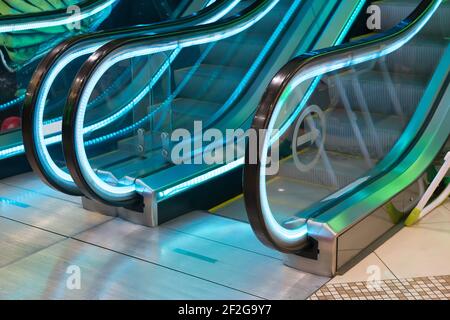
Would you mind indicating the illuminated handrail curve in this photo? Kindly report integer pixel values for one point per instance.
(296, 72)
(73, 119)
(35, 142)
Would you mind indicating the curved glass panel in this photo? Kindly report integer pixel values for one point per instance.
(205, 99)
(337, 132)
(43, 125)
(183, 86)
(22, 50)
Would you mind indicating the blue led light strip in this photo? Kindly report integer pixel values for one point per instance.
(174, 190)
(103, 189)
(166, 103)
(12, 103)
(19, 149)
(277, 231)
(200, 179)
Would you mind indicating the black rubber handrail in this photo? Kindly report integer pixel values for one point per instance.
(38, 79)
(116, 48)
(292, 71)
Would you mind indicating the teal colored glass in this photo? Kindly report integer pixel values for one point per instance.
(340, 130)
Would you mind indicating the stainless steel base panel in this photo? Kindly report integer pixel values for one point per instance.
(146, 218)
(336, 251)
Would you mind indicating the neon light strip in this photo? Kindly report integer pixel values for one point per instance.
(104, 189)
(341, 37)
(19, 149)
(292, 236)
(12, 103)
(56, 21)
(42, 143)
(200, 179)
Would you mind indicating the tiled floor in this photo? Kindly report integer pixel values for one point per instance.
(413, 264)
(423, 288)
(44, 233)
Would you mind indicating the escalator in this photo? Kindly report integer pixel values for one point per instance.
(29, 32)
(26, 33)
(217, 80)
(42, 121)
(356, 127)
(350, 130)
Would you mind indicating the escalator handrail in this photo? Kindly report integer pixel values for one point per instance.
(58, 17)
(297, 71)
(41, 81)
(75, 154)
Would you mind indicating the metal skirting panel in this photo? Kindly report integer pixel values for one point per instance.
(374, 228)
(197, 256)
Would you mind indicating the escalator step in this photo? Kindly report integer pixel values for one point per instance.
(380, 95)
(379, 139)
(344, 169)
(419, 57)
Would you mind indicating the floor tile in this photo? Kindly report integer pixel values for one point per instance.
(371, 267)
(422, 288)
(447, 204)
(421, 250)
(48, 213)
(56, 272)
(227, 231)
(18, 240)
(439, 215)
(249, 272)
(30, 181)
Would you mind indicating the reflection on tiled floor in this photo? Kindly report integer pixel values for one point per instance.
(43, 236)
(414, 264)
(424, 288)
(196, 256)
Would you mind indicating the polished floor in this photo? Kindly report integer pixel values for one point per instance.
(52, 248)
